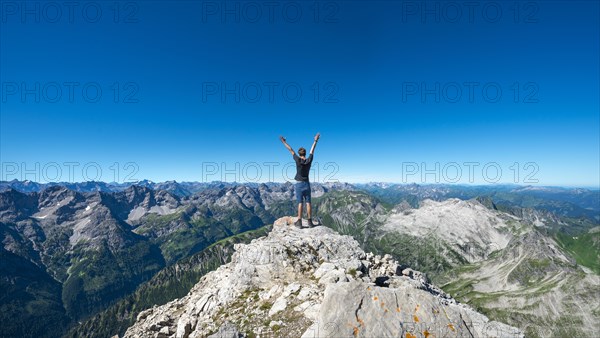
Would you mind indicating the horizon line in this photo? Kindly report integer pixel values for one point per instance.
(538, 185)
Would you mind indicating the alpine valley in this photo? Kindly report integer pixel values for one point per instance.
(218, 259)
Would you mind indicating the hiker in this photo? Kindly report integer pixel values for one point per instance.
(302, 186)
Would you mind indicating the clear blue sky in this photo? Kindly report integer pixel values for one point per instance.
(368, 61)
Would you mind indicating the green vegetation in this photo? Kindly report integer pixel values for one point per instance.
(28, 295)
(516, 228)
(342, 212)
(94, 275)
(420, 253)
(266, 306)
(123, 280)
(530, 271)
(172, 282)
(555, 204)
(582, 207)
(524, 317)
(349, 213)
(283, 208)
(182, 242)
(100, 276)
(392, 196)
(585, 248)
(152, 224)
(188, 236)
(536, 278)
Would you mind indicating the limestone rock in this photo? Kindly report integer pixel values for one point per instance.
(313, 283)
(227, 330)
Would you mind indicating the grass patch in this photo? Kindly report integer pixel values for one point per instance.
(584, 248)
(266, 306)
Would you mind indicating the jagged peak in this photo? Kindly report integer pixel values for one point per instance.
(303, 282)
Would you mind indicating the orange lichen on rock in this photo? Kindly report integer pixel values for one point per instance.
(415, 318)
(426, 334)
(397, 309)
(361, 322)
(451, 327)
(410, 335)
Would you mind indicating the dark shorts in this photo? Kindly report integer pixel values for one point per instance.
(302, 190)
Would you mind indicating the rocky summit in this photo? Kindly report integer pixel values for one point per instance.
(314, 282)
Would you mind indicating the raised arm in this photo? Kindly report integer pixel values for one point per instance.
(312, 149)
(286, 145)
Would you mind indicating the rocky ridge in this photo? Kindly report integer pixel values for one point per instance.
(314, 283)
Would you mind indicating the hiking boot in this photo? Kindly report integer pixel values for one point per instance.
(311, 224)
(298, 223)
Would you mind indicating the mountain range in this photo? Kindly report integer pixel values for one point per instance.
(85, 259)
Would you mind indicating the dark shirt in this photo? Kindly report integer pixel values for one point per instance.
(302, 167)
